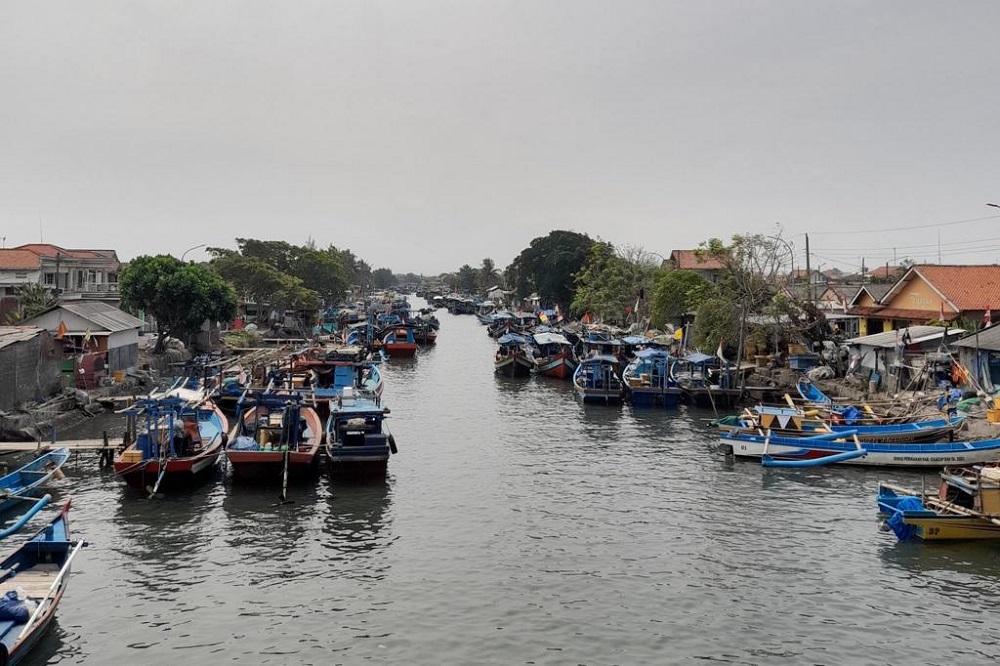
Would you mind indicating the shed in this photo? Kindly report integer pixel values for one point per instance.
(29, 366)
(94, 326)
(980, 352)
(898, 349)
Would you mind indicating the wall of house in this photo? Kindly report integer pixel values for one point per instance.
(29, 371)
(123, 350)
(918, 295)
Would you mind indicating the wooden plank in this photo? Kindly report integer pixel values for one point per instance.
(74, 445)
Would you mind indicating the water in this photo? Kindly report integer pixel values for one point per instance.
(517, 526)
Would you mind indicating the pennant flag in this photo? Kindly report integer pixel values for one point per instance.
(987, 319)
(718, 352)
(587, 318)
(61, 331)
(542, 317)
(679, 334)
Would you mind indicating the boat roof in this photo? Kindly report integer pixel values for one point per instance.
(599, 358)
(652, 352)
(697, 357)
(548, 338)
(511, 338)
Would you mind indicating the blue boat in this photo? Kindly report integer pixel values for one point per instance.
(648, 382)
(358, 442)
(23, 482)
(39, 570)
(596, 379)
(792, 422)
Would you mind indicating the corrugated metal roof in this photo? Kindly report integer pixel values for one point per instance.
(918, 334)
(11, 334)
(108, 317)
(988, 339)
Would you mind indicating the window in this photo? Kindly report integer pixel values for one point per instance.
(50, 278)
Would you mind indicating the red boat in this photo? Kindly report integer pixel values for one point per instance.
(275, 433)
(169, 440)
(555, 356)
(399, 342)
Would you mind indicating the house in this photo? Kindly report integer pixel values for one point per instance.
(887, 273)
(29, 366)
(707, 266)
(812, 277)
(833, 301)
(929, 292)
(896, 352)
(69, 274)
(101, 332)
(980, 354)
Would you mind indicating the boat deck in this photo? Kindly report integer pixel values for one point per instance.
(35, 581)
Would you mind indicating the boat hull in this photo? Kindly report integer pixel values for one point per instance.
(560, 366)
(400, 349)
(180, 471)
(668, 396)
(358, 464)
(269, 466)
(933, 455)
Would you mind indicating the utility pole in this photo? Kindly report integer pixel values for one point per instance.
(809, 282)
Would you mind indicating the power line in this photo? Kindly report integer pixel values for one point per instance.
(906, 228)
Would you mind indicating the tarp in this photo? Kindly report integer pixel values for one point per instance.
(652, 353)
(698, 357)
(551, 339)
(511, 339)
(636, 340)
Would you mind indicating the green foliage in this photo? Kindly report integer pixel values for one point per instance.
(718, 318)
(676, 293)
(488, 275)
(548, 267)
(382, 278)
(465, 280)
(610, 283)
(180, 296)
(32, 299)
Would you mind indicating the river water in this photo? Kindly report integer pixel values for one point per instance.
(517, 526)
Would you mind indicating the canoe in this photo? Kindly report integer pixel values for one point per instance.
(40, 568)
(24, 481)
(879, 454)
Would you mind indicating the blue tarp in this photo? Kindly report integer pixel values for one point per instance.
(903, 531)
(511, 339)
(652, 353)
(244, 443)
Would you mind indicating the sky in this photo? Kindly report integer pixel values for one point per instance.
(427, 135)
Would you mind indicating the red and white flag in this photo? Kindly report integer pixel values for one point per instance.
(987, 319)
(718, 352)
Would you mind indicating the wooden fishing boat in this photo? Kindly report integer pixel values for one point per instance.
(170, 440)
(554, 355)
(26, 480)
(846, 447)
(399, 342)
(40, 568)
(794, 422)
(358, 441)
(275, 436)
(511, 358)
(648, 382)
(966, 505)
(596, 379)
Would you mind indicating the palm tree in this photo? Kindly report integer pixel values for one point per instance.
(489, 276)
(32, 299)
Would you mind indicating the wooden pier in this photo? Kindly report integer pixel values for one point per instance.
(74, 445)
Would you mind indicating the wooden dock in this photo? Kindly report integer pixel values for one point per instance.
(73, 445)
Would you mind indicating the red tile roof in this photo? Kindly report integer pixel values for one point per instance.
(50, 251)
(19, 260)
(692, 260)
(885, 271)
(966, 287)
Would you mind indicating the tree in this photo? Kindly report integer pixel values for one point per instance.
(675, 293)
(32, 299)
(382, 278)
(489, 276)
(466, 279)
(612, 281)
(548, 267)
(181, 297)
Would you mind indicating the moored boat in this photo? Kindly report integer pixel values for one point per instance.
(965, 506)
(276, 435)
(596, 379)
(170, 440)
(399, 342)
(511, 357)
(39, 571)
(25, 481)
(358, 442)
(648, 381)
(554, 355)
(844, 447)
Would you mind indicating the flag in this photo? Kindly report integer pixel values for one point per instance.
(679, 334)
(636, 309)
(87, 336)
(558, 314)
(941, 312)
(987, 319)
(587, 318)
(61, 330)
(542, 317)
(628, 309)
(718, 352)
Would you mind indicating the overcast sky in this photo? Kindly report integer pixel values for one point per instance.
(424, 135)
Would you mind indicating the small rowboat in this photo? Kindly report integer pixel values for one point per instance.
(40, 568)
(21, 483)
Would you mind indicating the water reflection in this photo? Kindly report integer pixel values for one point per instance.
(357, 523)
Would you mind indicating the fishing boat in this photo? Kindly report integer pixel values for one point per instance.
(25, 481)
(965, 506)
(39, 571)
(276, 437)
(323, 372)
(511, 357)
(647, 379)
(846, 447)
(399, 342)
(169, 439)
(596, 379)
(554, 355)
(794, 422)
(358, 442)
